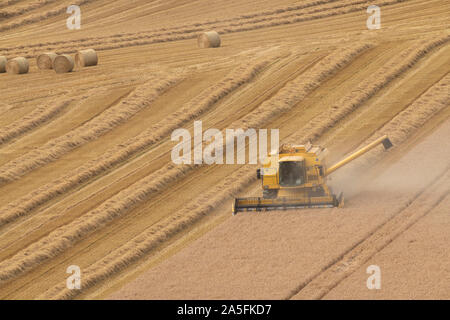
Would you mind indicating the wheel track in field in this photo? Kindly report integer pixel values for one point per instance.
(330, 276)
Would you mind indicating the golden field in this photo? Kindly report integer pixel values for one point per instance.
(86, 176)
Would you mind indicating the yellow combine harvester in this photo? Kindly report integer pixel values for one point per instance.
(296, 178)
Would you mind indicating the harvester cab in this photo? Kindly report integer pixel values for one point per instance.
(295, 178)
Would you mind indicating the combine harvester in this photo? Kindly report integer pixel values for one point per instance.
(296, 178)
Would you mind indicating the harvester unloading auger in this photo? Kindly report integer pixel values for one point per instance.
(296, 178)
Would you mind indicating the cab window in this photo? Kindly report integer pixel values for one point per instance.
(291, 173)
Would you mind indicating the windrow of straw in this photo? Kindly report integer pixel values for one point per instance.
(334, 8)
(6, 3)
(36, 118)
(194, 108)
(19, 9)
(40, 16)
(142, 97)
(367, 89)
(46, 112)
(240, 26)
(4, 107)
(296, 90)
(66, 236)
(153, 236)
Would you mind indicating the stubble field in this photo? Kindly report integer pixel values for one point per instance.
(86, 176)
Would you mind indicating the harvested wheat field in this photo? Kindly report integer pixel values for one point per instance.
(86, 171)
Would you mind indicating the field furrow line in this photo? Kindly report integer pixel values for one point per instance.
(296, 90)
(4, 107)
(100, 83)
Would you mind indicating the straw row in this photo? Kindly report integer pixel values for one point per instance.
(141, 98)
(19, 9)
(36, 118)
(37, 17)
(45, 113)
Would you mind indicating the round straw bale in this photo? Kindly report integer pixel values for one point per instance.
(17, 65)
(86, 58)
(45, 60)
(63, 63)
(3, 61)
(210, 39)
